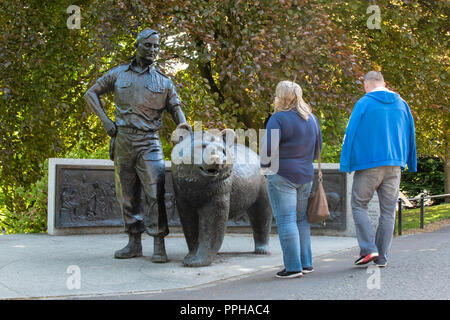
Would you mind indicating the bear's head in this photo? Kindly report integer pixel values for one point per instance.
(203, 155)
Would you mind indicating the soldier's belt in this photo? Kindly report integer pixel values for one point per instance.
(136, 131)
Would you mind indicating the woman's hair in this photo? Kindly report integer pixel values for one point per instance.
(288, 95)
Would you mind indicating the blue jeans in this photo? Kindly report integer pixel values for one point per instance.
(289, 202)
(385, 181)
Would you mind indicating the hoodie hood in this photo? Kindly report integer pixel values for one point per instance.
(384, 96)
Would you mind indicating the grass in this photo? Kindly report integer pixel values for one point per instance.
(432, 214)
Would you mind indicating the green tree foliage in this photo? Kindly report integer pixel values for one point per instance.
(235, 53)
(45, 69)
(412, 50)
(238, 50)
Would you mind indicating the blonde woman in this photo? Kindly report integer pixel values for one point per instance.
(289, 188)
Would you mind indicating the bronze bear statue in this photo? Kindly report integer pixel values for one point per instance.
(215, 181)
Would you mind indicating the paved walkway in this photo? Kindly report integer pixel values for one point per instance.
(43, 266)
(419, 269)
(35, 266)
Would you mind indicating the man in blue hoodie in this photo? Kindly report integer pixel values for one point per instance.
(379, 142)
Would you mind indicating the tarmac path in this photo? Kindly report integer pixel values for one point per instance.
(419, 268)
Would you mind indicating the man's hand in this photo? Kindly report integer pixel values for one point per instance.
(92, 97)
(110, 128)
(185, 125)
(182, 131)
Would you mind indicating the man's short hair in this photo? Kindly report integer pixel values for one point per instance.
(373, 76)
(144, 34)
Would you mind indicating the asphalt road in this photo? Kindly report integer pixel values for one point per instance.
(419, 268)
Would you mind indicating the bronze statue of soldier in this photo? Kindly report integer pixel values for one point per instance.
(141, 93)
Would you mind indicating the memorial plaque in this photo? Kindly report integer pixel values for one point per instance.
(86, 197)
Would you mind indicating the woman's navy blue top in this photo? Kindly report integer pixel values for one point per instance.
(296, 145)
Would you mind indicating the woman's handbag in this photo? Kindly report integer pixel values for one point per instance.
(317, 203)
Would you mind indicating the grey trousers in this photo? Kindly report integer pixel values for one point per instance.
(385, 180)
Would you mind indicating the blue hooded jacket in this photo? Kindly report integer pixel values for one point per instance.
(380, 132)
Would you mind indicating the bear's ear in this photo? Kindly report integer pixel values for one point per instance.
(181, 133)
(228, 136)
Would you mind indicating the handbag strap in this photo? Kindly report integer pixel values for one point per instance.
(318, 145)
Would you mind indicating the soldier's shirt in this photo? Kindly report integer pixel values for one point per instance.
(139, 97)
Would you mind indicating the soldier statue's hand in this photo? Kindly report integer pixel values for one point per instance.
(110, 127)
(185, 125)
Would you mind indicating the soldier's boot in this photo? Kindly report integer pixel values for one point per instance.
(132, 249)
(159, 250)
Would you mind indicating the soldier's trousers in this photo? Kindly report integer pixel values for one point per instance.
(139, 169)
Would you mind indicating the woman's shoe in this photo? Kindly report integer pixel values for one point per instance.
(307, 270)
(289, 274)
